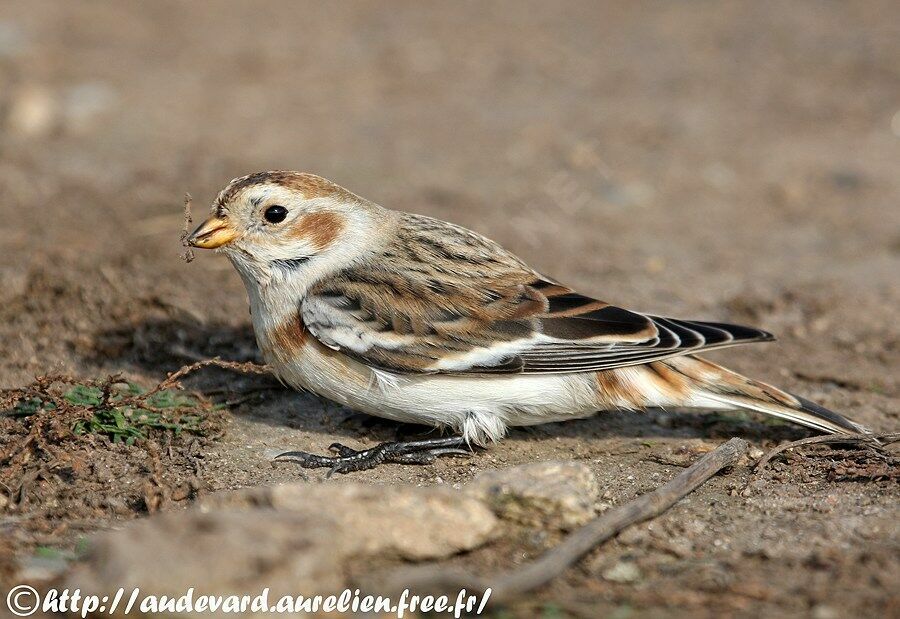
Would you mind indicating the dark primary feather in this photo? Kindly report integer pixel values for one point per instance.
(441, 292)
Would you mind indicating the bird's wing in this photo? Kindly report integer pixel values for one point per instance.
(512, 321)
(442, 299)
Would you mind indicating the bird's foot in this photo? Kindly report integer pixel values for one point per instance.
(408, 452)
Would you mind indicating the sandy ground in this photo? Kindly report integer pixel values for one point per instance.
(728, 161)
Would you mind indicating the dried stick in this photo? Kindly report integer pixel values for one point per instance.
(171, 381)
(188, 254)
(553, 563)
(873, 441)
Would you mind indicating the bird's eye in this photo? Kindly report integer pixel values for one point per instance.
(275, 214)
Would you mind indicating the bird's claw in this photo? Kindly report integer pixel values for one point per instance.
(348, 460)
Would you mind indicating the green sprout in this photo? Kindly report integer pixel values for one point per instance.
(121, 414)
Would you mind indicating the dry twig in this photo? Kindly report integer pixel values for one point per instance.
(871, 441)
(171, 382)
(553, 563)
(188, 254)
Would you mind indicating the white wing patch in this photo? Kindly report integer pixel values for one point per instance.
(481, 357)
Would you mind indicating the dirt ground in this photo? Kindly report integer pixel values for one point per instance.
(723, 161)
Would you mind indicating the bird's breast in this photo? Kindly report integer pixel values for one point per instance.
(303, 362)
(283, 341)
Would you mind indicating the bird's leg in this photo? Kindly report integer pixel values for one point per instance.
(400, 452)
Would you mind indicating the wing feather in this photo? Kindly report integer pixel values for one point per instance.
(463, 304)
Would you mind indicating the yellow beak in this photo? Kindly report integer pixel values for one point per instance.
(212, 233)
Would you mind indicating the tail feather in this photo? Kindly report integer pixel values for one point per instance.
(806, 413)
(722, 386)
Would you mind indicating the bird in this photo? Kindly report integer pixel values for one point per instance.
(414, 319)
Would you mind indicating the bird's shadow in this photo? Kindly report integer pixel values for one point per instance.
(160, 345)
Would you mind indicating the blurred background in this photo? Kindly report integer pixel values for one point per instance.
(650, 153)
(713, 160)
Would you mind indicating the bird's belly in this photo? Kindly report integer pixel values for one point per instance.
(478, 405)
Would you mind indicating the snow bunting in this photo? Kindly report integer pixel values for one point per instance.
(419, 320)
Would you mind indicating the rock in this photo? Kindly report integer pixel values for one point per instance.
(755, 453)
(554, 494)
(292, 538)
(413, 523)
(623, 571)
(217, 553)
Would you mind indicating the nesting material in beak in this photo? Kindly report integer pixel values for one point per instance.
(212, 233)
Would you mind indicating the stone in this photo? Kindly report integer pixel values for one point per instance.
(218, 553)
(295, 538)
(553, 494)
(410, 522)
(623, 571)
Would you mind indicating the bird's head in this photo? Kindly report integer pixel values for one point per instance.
(280, 221)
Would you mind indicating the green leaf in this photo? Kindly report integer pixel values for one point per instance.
(82, 395)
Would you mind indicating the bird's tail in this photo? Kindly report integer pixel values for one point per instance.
(713, 385)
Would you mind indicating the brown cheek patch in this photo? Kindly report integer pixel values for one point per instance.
(320, 229)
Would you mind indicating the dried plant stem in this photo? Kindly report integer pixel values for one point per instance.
(188, 254)
(171, 382)
(872, 441)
